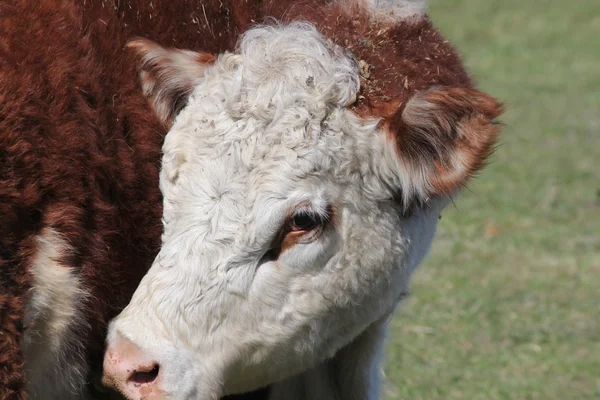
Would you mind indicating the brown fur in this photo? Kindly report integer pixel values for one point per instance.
(80, 145)
(80, 152)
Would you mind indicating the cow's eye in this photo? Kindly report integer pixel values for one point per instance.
(303, 226)
(306, 221)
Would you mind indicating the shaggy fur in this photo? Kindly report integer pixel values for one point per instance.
(80, 154)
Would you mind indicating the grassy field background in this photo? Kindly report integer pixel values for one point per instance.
(507, 305)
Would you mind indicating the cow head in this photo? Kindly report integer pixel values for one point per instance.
(291, 224)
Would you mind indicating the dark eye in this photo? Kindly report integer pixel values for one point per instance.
(305, 221)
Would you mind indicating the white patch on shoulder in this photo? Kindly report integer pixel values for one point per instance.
(393, 10)
(55, 363)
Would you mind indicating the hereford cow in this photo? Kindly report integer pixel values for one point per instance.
(303, 176)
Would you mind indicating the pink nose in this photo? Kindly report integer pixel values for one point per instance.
(130, 371)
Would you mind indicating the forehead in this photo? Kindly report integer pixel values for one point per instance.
(264, 121)
(296, 143)
(226, 158)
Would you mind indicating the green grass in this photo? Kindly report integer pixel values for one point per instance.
(507, 305)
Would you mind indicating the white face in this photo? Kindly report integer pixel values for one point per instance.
(283, 234)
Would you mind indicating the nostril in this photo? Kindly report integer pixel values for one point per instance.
(142, 376)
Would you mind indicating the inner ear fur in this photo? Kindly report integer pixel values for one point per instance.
(168, 76)
(447, 134)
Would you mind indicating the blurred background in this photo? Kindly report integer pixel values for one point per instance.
(507, 304)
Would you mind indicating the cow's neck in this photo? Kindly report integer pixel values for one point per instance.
(353, 374)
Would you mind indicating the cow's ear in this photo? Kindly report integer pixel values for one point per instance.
(168, 76)
(442, 137)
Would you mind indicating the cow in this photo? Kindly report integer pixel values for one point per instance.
(303, 175)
